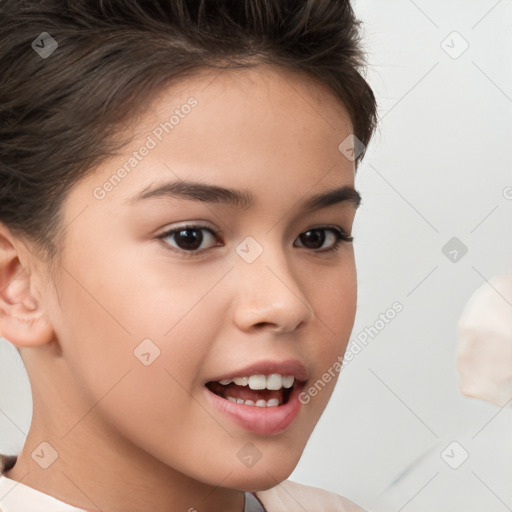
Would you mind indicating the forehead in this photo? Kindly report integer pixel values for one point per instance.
(247, 107)
(262, 128)
(285, 89)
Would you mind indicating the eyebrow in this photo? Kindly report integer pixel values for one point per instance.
(242, 199)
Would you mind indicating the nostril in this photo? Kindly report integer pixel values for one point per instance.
(262, 324)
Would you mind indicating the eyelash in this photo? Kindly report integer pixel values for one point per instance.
(341, 238)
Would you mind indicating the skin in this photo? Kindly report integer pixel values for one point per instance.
(146, 432)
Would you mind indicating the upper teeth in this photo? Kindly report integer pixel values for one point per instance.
(274, 381)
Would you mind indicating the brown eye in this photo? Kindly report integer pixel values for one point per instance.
(323, 239)
(190, 238)
(313, 239)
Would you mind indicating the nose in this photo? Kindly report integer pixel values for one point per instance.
(269, 296)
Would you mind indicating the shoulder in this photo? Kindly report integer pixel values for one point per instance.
(289, 496)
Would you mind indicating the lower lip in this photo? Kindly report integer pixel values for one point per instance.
(264, 421)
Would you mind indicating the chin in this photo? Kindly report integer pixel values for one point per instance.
(264, 476)
(261, 481)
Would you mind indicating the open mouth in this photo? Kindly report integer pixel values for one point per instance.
(256, 390)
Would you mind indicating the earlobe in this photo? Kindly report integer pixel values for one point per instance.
(23, 318)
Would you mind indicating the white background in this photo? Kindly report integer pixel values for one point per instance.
(436, 169)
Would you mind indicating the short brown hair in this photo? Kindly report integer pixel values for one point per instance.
(59, 115)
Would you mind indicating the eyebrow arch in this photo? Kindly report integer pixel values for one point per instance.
(344, 194)
(242, 199)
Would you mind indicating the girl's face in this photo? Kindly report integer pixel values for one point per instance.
(212, 248)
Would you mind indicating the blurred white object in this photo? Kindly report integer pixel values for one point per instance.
(484, 352)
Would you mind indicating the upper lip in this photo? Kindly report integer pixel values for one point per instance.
(287, 367)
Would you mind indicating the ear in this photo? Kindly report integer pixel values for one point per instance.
(23, 318)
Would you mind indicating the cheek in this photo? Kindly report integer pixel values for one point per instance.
(111, 324)
(129, 373)
(334, 299)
